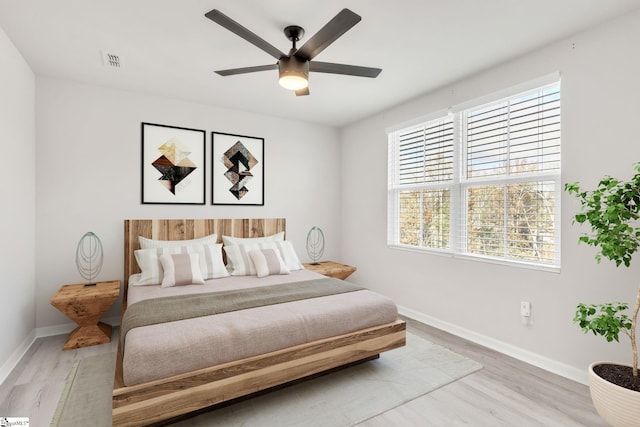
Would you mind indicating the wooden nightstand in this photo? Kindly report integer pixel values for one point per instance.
(331, 269)
(86, 305)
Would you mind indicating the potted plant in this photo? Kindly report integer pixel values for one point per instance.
(612, 210)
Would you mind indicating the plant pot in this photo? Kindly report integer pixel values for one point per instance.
(618, 406)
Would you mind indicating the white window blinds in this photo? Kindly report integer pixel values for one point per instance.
(519, 135)
(426, 153)
(482, 182)
(420, 178)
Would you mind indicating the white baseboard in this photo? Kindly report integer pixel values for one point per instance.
(65, 328)
(16, 356)
(543, 362)
(46, 331)
(49, 331)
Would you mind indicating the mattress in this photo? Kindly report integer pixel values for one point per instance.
(163, 350)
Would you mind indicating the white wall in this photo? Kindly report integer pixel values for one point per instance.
(88, 176)
(17, 227)
(600, 128)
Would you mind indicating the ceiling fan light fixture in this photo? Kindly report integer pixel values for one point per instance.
(293, 82)
(294, 73)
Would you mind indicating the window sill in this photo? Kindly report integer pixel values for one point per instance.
(479, 258)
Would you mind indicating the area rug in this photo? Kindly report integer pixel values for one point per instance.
(342, 398)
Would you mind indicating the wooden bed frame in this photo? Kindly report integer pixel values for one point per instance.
(161, 400)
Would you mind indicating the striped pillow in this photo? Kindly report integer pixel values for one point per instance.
(181, 269)
(268, 262)
(230, 241)
(211, 263)
(149, 263)
(238, 257)
(287, 252)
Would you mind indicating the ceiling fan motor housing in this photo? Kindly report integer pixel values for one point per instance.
(294, 72)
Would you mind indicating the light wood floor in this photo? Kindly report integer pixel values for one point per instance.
(506, 392)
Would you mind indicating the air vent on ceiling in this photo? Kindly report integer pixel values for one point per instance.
(110, 59)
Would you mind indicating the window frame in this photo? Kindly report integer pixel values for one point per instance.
(459, 185)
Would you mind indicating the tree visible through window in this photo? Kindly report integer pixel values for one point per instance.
(482, 182)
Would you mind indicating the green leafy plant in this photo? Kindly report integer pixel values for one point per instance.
(603, 319)
(612, 210)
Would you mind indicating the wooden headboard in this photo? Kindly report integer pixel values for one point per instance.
(185, 229)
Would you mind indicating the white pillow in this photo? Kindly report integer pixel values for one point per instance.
(149, 263)
(230, 240)
(268, 262)
(211, 263)
(238, 257)
(233, 241)
(146, 243)
(287, 252)
(181, 269)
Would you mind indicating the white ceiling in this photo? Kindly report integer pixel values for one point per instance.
(169, 48)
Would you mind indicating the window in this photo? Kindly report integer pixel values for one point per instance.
(483, 181)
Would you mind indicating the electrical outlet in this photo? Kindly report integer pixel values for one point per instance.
(525, 308)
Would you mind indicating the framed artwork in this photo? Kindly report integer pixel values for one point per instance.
(237, 164)
(173, 165)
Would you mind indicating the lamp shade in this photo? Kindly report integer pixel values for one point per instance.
(89, 256)
(315, 244)
(294, 73)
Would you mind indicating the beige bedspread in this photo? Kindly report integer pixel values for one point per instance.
(162, 350)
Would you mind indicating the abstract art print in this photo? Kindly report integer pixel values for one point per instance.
(173, 165)
(238, 170)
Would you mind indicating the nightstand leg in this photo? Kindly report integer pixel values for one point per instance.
(84, 336)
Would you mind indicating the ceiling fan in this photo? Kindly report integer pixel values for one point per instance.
(294, 68)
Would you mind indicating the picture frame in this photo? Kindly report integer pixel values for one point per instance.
(237, 169)
(172, 165)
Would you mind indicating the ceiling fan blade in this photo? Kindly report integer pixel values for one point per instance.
(245, 70)
(231, 25)
(340, 24)
(303, 92)
(350, 70)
